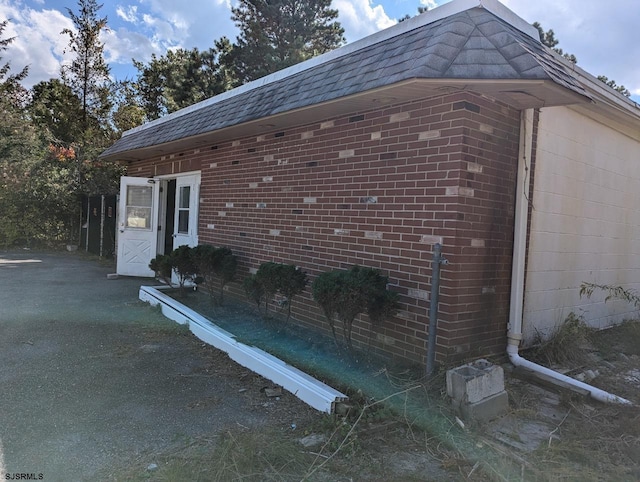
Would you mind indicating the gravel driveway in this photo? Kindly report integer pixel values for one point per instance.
(92, 380)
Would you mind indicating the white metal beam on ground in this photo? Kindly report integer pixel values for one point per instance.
(308, 389)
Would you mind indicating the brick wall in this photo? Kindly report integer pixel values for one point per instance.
(377, 188)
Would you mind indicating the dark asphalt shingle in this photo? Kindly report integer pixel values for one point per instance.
(473, 44)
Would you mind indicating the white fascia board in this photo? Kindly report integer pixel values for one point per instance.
(308, 389)
(439, 13)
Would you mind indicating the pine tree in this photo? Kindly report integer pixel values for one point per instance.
(88, 73)
(275, 34)
(181, 78)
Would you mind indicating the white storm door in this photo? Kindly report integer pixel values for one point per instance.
(137, 226)
(185, 227)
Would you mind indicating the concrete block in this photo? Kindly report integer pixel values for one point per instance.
(475, 381)
(477, 390)
(487, 409)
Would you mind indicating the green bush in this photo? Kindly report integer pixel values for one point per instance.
(181, 262)
(215, 266)
(275, 278)
(343, 295)
(161, 266)
(253, 289)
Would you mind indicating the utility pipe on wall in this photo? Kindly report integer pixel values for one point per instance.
(433, 306)
(514, 335)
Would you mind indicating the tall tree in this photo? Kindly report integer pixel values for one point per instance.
(88, 78)
(56, 109)
(21, 147)
(182, 77)
(128, 112)
(275, 34)
(16, 133)
(9, 83)
(88, 73)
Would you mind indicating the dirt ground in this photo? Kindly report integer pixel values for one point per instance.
(95, 385)
(555, 434)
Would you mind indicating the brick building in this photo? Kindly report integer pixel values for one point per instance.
(427, 132)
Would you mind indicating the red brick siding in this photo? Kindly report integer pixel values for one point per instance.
(377, 188)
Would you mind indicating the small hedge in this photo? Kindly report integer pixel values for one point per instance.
(343, 295)
(216, 266)
(202, 264)
(273, 279)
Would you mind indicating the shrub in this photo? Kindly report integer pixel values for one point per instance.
(161, 266)
(183, 265)
(253, 289)
(180, 261)
(275, 278)
(291, 282)
(343, 295)
(215, 265)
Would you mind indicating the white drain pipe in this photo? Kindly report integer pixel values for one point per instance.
(514, 335)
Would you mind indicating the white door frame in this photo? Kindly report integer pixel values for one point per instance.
(185, 224)
(163, 205)
(137, 226)
(138, 246)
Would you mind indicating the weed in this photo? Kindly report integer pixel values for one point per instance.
(622, 338)
(565, 345)
(234, 455)
(613, 293)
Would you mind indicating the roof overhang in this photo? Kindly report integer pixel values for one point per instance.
(520, 94)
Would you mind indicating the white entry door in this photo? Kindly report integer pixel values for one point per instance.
(185, 225)
(137, 226)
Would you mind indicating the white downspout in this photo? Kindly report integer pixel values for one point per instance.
(514, 335)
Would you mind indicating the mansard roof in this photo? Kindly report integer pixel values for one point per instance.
(470, 44)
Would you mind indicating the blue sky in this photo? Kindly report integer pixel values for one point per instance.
(604, 37)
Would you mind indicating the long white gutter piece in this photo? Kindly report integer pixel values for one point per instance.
(308, 389)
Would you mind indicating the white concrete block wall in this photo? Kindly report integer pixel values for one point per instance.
(585, 222)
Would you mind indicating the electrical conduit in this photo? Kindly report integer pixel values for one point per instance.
(514, 335)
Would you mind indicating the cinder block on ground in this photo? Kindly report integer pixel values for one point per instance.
(475, 381)
(477, 390)
(486, 409)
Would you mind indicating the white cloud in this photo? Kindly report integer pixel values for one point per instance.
(37, 43)
(128, 13)
(360, 18)
(122, 45)
(163, 31)
(428, 3)
(196, 24)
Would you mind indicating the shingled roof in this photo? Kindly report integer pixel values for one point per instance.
(473, 44)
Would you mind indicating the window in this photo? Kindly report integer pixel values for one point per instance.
(184, 198)
(139, 199)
